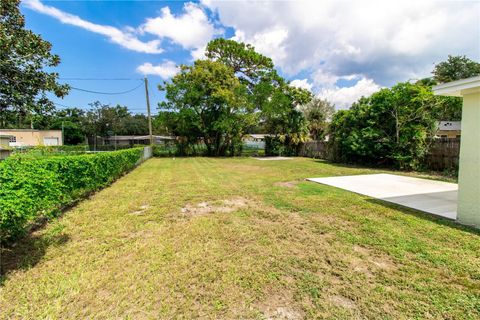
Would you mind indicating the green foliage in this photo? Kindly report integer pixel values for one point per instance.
(209, 104)
(391, 127)
(271, 96)
(24, 84)
(236, 91)
(455, 68)
(280, 146)
(31, 188)
(72, 122)
(105, 120)
(283, 119)
(250, 65)
(317, 112)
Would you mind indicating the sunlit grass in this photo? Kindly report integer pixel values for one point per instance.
(296, 249)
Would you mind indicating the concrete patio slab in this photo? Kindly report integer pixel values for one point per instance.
(435, 197)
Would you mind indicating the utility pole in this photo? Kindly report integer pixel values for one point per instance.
(148, 112)
(63, 134)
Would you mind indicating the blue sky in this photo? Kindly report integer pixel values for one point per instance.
(339, 50)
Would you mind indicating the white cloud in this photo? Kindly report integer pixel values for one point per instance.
(191, 30)
(126, 39)
(345, 96)
(303, 84)
(199, 53)
(268, 42)
(165, 70)
(387, 41)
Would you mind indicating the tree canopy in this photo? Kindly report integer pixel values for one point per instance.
(317, 113)
(250, 66)
(455, 68)
(210, 105)
(220, 99)
(24, 83)
(391, 126)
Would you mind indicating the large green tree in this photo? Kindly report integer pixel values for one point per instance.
(250, 66)
(455, 68)
(271, 96)
(317, 113)
(71, 121)
(24, 56)
(105, 120)
(211, 105)
(235, 91)
(391, 126)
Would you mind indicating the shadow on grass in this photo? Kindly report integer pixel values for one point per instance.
(29, 251)
(426, 216)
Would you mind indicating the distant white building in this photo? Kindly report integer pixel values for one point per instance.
(256, 140)
(132, 140)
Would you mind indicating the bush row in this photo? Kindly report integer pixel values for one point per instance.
(32, 188)
(161, 151)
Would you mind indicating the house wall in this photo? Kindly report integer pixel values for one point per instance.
(469, 171)
(450, 134)
(4, 141)
(32, 137)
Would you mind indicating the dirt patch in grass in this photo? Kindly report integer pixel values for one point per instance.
(287, 184)
(280, 307)
(141, 209)
(342, 302)
(369, 261)
(223, 206)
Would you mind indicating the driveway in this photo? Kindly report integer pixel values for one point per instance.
(435, 197)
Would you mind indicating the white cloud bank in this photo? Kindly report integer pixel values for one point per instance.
(343, 97)
(375, 42)
(124, 38)
(302, 84)
(387, 41)
(191, 30)
(165, 70)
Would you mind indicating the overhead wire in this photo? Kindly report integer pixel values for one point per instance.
(133, 110)
(107, 93)
(101, 79)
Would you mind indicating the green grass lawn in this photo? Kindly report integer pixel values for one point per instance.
(241, 238)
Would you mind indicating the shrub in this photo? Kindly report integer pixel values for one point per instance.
(391, 127)
(180, 150)
(276, 146)
(164, 151)
(34, 187)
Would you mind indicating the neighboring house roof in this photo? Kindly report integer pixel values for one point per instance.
(124, 138)
(449, 126)
(26, 130)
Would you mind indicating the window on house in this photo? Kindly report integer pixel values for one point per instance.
(13, 139)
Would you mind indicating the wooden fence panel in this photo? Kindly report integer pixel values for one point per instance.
(314, 149)
(443, 153)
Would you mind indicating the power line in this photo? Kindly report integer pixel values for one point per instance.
(63, 106)
(107, 93)
(102, 79)
(132, 110)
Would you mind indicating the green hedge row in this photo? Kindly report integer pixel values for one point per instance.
(31, 188)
